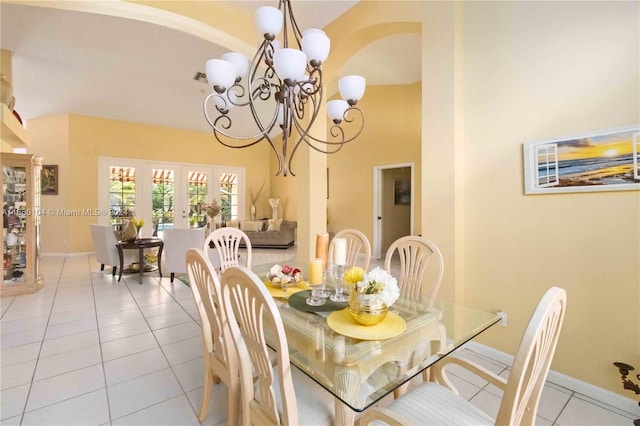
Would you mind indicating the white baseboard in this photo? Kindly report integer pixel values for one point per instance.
(85, 253)
(587, 389)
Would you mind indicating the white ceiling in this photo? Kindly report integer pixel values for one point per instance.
(105, 66)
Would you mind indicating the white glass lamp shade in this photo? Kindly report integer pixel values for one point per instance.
(239, 61)
(351, 87)
(220, 73)
(268, 20)
(289, 63)
(336, 109)
(316, 45)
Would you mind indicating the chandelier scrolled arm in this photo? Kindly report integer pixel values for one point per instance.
(283, 89)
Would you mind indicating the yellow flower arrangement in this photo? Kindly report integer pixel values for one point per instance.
(138, 223)
(353, 275)
(376, 282)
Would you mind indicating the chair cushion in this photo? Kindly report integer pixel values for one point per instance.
(315, 404)
(433, 404)
(274, 224)
(251, 225)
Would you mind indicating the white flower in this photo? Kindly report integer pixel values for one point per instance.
(381, 285)
(273, 202)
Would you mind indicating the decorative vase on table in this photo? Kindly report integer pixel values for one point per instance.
(367, 309)
(273, 202)
(253, 212)
(372, 294)
(130, 231)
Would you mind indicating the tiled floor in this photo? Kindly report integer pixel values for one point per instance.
(87, 350)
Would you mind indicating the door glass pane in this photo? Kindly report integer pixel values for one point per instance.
(198, 187)
(162, 199)
(122, 193)
(229, 196)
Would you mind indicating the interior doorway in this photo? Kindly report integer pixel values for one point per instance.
(393, 199)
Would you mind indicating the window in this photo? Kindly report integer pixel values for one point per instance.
(162, 195)
(546, 165)
(229, 196)
(166, 194)
(198, 188)
(122, 193)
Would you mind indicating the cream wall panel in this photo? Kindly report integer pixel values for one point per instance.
(50, 137)
(543, 70)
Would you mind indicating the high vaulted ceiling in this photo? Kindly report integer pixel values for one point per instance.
(107, 66)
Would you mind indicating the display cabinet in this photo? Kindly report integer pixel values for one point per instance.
(20, 224)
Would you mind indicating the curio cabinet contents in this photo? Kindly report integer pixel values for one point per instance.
(20, 224)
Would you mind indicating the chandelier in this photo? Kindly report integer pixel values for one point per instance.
(283, 91)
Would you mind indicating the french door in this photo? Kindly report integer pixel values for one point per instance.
(168, 195)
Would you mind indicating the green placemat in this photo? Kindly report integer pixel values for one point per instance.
(298, 301)
(184, 279)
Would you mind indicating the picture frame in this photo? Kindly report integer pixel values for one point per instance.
(604, 160)
(401, 192)
(49, 179)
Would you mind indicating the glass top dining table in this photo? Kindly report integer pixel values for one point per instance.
(359, 365)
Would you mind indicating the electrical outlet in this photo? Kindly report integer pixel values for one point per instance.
(503, 318)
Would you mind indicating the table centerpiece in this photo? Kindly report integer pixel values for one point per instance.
(371, 295)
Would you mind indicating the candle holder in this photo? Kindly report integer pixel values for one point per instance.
(339, 295)
(629, 384)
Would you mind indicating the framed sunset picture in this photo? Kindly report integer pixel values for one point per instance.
(598, 161)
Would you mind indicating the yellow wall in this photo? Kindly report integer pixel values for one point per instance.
(391, 136)
(88, 138)
(543, 70)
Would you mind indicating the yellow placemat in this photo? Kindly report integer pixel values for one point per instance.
(277, 291)
(341, 322)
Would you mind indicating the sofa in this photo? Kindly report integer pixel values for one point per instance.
(268, 233)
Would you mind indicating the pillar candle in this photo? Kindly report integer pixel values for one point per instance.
(339, 251)
(315, 271)
(322, 248)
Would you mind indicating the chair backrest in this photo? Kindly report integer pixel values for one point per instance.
(249, 301)
(104, 244)
(176, 243)
(216, 334)
(357, 243)
(415, 253)
(532, 361)
(227, 242)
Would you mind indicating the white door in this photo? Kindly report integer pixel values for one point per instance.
(176, 195)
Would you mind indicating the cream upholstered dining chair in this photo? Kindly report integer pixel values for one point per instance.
(105, 245)
(415, 253)
(220, 360)
(176, 243)
(279, 394)
(226, 242)
(357, 243)
(434, 404)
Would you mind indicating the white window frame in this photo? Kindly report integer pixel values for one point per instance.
(143, 185)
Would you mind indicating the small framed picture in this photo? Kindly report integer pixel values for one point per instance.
(49, 180)
(402, 192)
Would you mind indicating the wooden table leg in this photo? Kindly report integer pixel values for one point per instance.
(121, 260)
(159, 259)
(141, 263)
